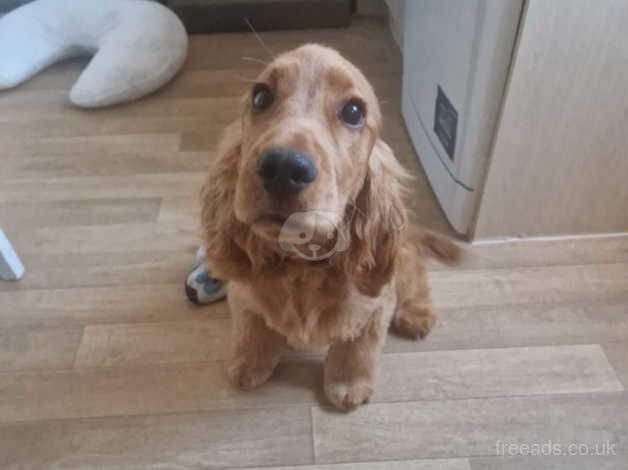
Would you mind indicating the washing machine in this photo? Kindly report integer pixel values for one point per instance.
(456, 58)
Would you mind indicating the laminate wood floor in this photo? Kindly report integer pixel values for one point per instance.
(104, 364)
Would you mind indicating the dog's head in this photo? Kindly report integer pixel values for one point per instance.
(307, 166)
(308, 128)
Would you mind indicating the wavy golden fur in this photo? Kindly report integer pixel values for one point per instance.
(349, 299)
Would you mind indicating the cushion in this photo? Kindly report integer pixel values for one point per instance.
(138, 46)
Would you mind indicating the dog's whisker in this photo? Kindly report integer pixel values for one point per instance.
(259, 38)
(254, 59)
(244, 79)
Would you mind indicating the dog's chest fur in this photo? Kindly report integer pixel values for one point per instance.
(313, 307)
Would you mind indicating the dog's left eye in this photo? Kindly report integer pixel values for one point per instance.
(262, 96)
(352, 113)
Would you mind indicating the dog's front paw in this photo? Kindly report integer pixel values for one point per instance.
(248, 374)
(346, 396)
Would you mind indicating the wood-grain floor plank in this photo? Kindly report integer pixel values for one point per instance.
(549, 462)
(86, 163)
(138, 388)
(199, 440)
(102, 145)
(39, 348)
(617, 353)
(118, 238)
(65, 271)
(530, 253)
(430, 464)
(467, 428)
(455, 329)
(89, 305)
(498, 289)
(28, 215)
(154, 343)
(534, 324)
(169, 388)
(80, 126)
(182, 184)
(542, 284)
(46, 105)
(444, 375)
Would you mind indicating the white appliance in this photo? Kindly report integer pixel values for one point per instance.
(456, 57)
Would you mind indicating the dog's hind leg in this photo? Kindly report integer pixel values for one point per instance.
(413, 315)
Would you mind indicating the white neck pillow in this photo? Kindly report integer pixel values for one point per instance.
(138, 46)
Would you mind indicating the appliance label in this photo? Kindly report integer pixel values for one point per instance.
(445, 122)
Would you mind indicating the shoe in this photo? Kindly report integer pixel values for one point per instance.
(202, 289)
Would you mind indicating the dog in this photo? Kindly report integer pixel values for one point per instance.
(302, 211)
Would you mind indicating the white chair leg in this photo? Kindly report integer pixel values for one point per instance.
(11, 268)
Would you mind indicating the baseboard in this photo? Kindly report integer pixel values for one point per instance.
(583, 236)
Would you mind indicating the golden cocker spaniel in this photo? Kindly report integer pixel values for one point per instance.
(302, 211)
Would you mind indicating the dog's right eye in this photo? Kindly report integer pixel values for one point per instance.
(262, 97)
(352, 113)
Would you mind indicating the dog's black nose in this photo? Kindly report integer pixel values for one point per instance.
(285, 171)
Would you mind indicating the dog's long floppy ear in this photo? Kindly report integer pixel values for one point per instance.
(219, 225)
(377, 223)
